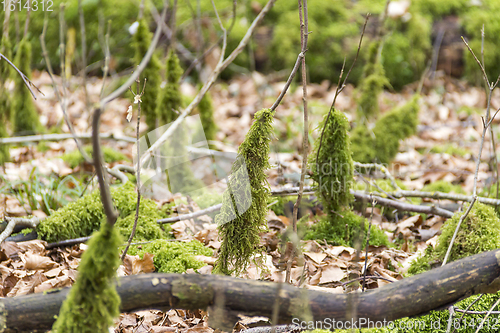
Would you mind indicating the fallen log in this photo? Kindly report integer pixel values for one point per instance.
(412, 296)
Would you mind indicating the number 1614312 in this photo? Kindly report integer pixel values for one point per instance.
(27, 5)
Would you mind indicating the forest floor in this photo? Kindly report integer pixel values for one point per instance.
(444, 149)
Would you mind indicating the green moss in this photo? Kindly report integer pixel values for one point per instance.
(80, 218)
(25, 118)
(93, 302)
(206, 110)
(173, 257)
(142, 39)
(170, 95)
(332, 169)
(346, 230)
(450, 149)
(75, 158)
(443, 186)
(382, 144)
(372, 84)
(384, 184)
(240, 230)
(482, 223)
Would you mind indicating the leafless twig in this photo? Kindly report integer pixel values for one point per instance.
(61, 99)
(341, 87)
(13, 221)
(222, 64)
(137, 96)
(304, 34)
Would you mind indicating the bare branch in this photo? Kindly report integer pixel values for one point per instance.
(218, 69)
(61, 100)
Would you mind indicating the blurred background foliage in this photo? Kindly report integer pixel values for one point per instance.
(335, 25)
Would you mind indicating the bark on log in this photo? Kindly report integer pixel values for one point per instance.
(412, 296)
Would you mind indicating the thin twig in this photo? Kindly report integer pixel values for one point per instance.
(61, 99)
(124, 87)
(107, 56)
(486, 123)
(304, 34)
(462, 218)
(487, 315)
(466, 311)
(342, 86)
(138, 171)
(368, 244)
(222, 64)
(84, 53)
(27, 82)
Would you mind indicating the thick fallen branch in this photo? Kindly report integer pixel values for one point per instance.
(412, 296)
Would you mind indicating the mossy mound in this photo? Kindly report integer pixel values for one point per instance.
(80, 218)
(382, 144)
(244, 205)
(443, 186)
(479, 232)
(346, 230)
(173, 257)
(25, 120)
(93, 302)
(75, 158)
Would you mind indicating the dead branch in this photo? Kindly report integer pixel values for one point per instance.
(432, 290)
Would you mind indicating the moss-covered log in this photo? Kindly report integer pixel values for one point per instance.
(435, 289)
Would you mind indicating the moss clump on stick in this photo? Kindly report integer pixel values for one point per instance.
(332, 170)
(173, 257)
(25, 118)
(170, 96)
(80, 218)
(240, 230)
(206, 110)
(93, 302)
(142, 40)
(382, 144)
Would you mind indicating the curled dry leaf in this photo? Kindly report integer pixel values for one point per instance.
(135, 265)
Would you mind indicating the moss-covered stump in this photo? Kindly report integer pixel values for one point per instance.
(244, 203)
(80, 218)
(173, 257)
(382, 144)
(93, 302)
